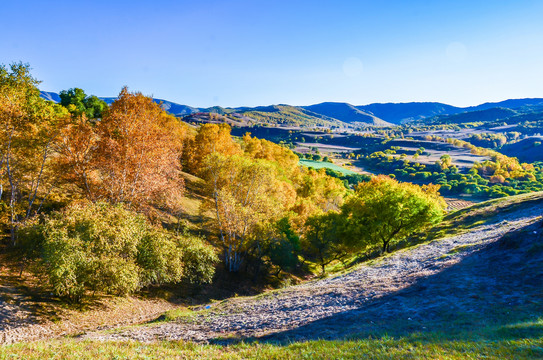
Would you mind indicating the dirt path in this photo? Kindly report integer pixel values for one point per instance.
(334, 301)
(20, 323)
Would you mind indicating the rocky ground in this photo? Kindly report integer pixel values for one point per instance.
(22, 322)
(468, 276)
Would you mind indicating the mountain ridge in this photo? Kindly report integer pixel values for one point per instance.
(341, 113)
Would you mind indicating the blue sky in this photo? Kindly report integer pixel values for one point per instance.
(234, 53)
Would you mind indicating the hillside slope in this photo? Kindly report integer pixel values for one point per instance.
(287, 115)
(526, 150)
(450, 285)
(492, 114)
(346, 113)
(398, 113)
(526, 104)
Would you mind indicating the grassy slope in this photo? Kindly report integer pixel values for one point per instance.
(290, 116)
(382, 348)
(513, 332)
(526, 150)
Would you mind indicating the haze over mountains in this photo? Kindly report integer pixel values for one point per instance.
(340, 114)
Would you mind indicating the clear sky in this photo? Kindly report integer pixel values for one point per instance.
(234, 52)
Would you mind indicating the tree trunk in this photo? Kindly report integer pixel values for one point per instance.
(385, 246)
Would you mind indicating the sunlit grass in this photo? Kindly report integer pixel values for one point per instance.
(324, 164)
(381, 348)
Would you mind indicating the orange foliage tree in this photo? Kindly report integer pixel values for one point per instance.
(138, 152)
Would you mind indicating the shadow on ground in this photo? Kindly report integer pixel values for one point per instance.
(495, 293)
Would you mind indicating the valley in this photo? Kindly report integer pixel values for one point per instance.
(378, 225)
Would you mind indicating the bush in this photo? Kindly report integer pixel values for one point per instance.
(198, 260)
(112, 250)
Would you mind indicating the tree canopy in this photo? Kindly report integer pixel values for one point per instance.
(78, 103)
(384, 210)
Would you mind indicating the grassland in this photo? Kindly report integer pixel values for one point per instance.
(385, 347)
(323, 164)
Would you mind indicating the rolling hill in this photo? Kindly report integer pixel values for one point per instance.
(288, 115)
(528, 104)
(491, 114)
(398, 113)
(526, 150)
(51, 96)
(346, 113)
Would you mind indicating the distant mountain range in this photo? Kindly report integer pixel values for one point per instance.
(344, 114)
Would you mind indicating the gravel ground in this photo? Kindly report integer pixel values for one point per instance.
(336, 302)
(19, 323)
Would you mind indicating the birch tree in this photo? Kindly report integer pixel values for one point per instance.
(29, 127)
(245, 193)
(138, 152)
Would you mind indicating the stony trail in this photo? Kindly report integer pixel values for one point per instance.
(339, 301)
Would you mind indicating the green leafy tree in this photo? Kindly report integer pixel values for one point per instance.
(384, 210)
(276, 247)
(78, 103)
(323, 239)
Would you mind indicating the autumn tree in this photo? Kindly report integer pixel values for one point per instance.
(384, 210)
(28, 129)
(74, 163)
(263, 149)
(316, 192)
(210, 138)
(138, 151)
(245, 193)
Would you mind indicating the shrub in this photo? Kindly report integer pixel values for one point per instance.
(198, 260)
(110, 249)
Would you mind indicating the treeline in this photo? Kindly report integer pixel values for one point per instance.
(83, 187)
(498, 176)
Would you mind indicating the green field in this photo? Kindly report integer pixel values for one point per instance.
(323, 164)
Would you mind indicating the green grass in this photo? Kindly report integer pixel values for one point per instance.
(323, 164)
(381, 348)
(461, 221)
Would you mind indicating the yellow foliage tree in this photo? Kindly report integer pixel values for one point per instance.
(210, 138)
(29, 127)
(246, 193)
